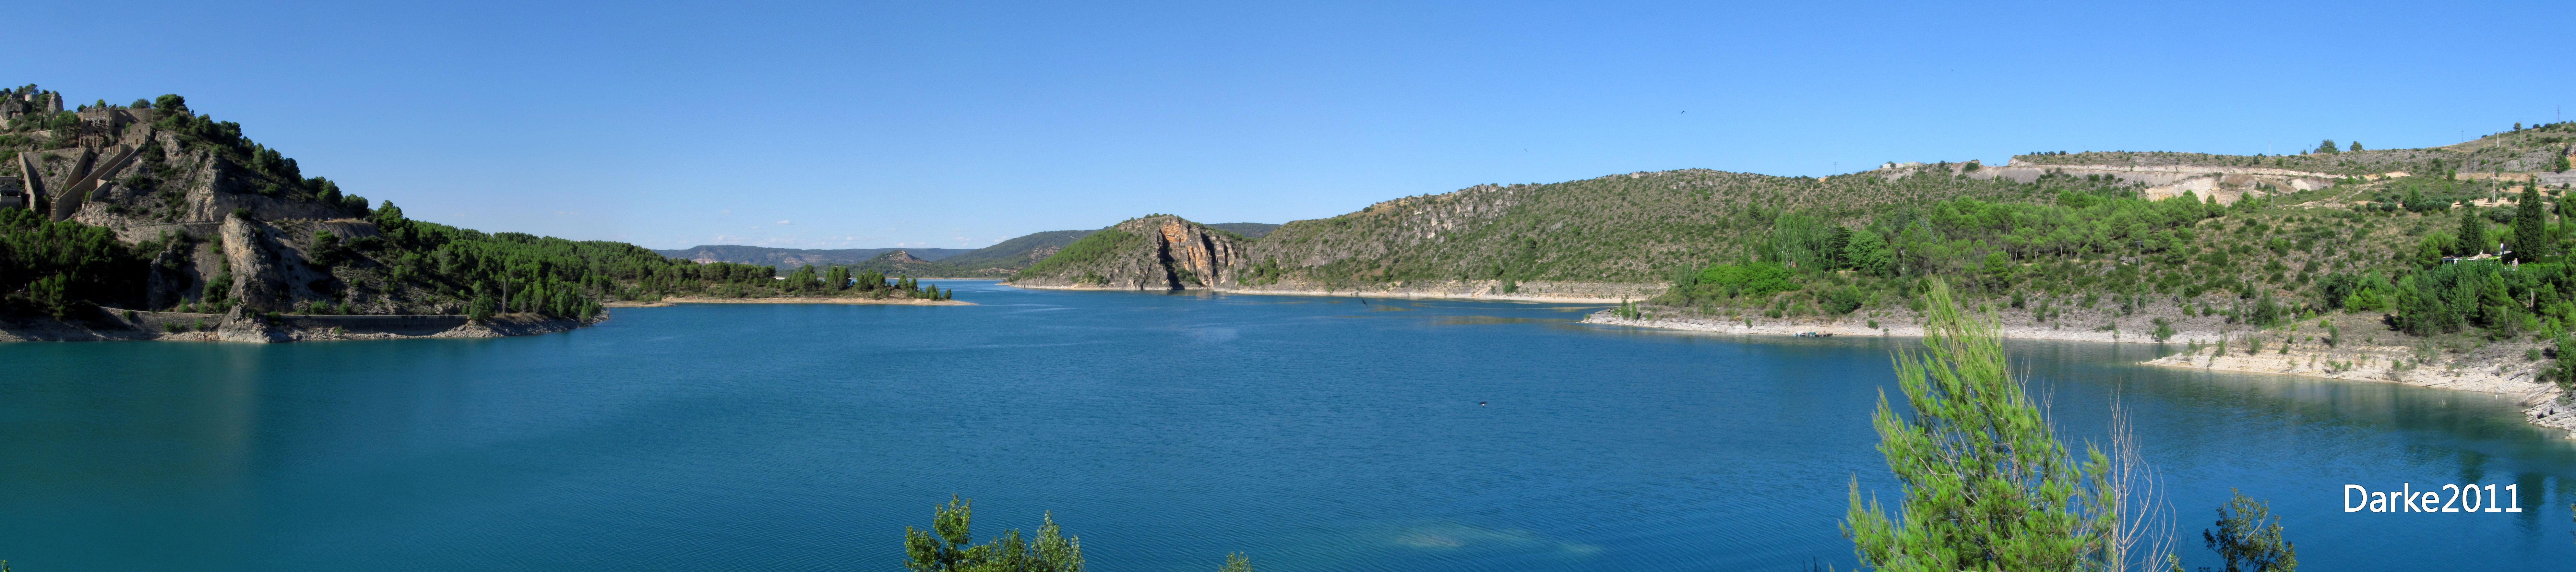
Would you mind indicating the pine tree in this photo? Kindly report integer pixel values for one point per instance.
(949, 546)
(1988, 486)
(1234, 562)
(2531, 226)
(2473, 233)
(2249, 538)
(2328, 147)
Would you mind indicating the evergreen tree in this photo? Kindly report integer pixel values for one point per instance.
(2562, 368)
(2531, 226)
(481, 308)
(2249, 538)
(838, 279)
(2328, 147)
(1867, 252)
(2473, 233)
(1987, 484)
(950, 547)
(2356, 145)
(1234, 562)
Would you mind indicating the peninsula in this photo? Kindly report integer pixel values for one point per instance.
(2443, 266)
(151, 220)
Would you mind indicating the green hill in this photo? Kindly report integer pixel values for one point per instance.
(2183, 238)
(794, 257)
(156, 206)
(1004, 257)
(1247, 229)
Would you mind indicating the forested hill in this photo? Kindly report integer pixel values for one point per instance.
(153, 205)
(794, 257)
(2303, 231)
(1002, 259)
(1247, 229)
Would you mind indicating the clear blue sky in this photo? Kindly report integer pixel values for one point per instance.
(937, 124)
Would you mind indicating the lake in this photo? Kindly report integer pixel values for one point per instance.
(1164, 430)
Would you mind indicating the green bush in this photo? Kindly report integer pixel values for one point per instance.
(1751, 279)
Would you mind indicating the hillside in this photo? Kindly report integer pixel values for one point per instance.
(1247, 229)
(2055, 216)
(2389, 259)
(174, 218)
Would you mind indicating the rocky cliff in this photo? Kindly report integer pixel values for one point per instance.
(219, 222)
(1159, 252)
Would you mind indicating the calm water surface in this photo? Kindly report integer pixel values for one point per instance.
(1164, 430)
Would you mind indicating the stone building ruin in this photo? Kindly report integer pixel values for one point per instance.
(100, 148)
(27, 100)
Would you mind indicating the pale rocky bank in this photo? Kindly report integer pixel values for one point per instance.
(238, 326)
(1488, 290)
(2502, 367)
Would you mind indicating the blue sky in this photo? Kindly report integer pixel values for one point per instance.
(840, 125)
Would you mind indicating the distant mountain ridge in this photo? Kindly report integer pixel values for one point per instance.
(996, 261)
(794, 257)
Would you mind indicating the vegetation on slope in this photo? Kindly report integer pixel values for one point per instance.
(1245, 229)
(767, 256)
(317, 250)
(1084, 252)
(58, 268)
(2523, 149)
(1638, 227)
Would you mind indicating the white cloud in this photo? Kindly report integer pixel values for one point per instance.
(786, 222)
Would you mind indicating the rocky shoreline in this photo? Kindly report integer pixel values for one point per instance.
(805, 300)
(2500, 368)
(1558, 292)
(125, 325)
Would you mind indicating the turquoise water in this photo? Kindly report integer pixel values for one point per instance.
(1164, 430)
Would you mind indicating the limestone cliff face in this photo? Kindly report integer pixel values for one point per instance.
(258, 279)
(1160, 252)
(271, 272)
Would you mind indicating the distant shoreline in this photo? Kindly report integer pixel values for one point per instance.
(1403, 294)
(112, 324)
(795, 300)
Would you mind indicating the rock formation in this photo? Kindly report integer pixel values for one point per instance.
(1161, 252)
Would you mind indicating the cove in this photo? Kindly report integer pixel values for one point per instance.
(1312, 433)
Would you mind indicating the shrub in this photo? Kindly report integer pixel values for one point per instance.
(1751, 279)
